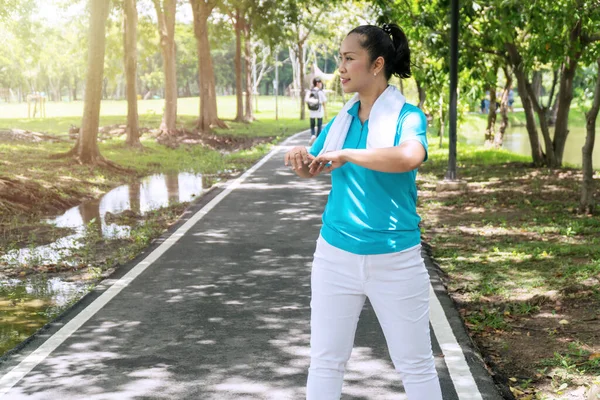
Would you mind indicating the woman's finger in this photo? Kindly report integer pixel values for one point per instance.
(320, 168)
(299, 161)
(292, 160)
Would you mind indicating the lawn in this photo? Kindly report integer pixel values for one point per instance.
(60, 116)
(522, 266)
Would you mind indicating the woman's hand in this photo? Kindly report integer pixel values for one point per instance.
(327, 162)
(298, 157)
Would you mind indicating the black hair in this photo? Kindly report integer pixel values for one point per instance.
(388, 42)
(316, 80)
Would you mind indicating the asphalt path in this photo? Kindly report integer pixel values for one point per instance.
(218, 308)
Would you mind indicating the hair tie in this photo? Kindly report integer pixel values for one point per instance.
(387, 29)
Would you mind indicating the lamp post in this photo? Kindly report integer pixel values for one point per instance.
(451, 181)
(276, 84)
(451, 174)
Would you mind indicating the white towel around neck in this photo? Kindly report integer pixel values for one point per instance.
(383, 121)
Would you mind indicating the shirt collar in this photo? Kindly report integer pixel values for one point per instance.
(354, 109)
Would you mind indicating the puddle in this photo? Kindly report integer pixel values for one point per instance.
(26, 305)
(149, 194)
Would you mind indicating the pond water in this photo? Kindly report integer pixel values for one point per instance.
(28, 304)
(516, 140)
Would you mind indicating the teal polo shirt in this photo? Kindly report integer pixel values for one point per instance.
(371, 212)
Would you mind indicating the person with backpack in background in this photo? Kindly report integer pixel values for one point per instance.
(315, 100)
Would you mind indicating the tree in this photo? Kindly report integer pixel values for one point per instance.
(208, 116)
(301, 18)
(247, 30)
(165, 12)
(499, 138)
(251, 19)
(187, 59)
(86, 149)
(532, 45)
(9, 9)
(427, 27)
(130, 61)
(236, 10)
(586, 204)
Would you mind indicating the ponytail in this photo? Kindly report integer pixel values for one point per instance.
(401, 61)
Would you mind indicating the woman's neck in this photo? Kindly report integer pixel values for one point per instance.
(368, 96)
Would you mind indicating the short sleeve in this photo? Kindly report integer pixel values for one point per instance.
(414, 127)
(322, 97)
(318, 144)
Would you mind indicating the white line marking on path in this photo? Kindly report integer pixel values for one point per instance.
(41, 353)
(459, 370)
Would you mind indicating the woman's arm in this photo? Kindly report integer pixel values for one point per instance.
(403, 158)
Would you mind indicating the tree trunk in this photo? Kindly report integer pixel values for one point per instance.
(565, 96)
(586, 204)
(239, 114)
(208, 116)
(490, 130)
(105, 89)
(166, 29)
(75, 81)
(565, 92)
(499, 138)
(249, 115)
(536, 85)
(422, 94)
(516, 63)
(551, 105)
(542, 112)
(86, 148)
(301, 67)
(553, 111)
(130, 45)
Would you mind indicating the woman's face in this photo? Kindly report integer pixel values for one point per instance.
(355, 66)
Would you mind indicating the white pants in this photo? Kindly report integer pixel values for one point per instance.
(397, 285)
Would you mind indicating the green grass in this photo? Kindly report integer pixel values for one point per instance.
(575, 360)
(510, 247)
(60, 116)
(516, 229)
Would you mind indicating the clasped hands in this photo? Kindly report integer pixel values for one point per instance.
(298, 158)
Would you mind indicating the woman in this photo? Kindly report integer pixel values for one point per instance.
(316, 115)
(369, 244)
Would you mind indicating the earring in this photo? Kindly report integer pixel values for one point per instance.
(374, 73)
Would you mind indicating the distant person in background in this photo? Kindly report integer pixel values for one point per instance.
(315, 100)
